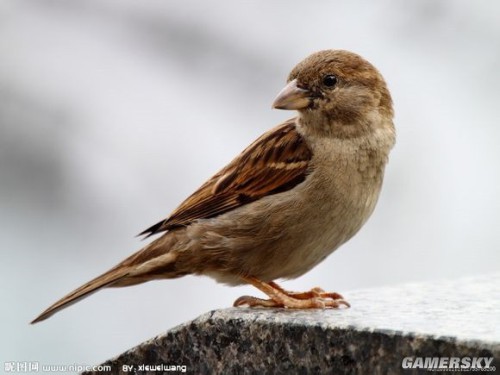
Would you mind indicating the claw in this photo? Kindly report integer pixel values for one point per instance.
(279, 297)
(254, 301)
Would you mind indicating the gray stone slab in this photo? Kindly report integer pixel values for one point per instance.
(458, 318)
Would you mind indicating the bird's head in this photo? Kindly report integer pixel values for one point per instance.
(337, 88)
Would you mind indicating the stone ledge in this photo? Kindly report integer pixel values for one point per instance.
(459, 318)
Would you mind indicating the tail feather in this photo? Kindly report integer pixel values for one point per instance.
(151, 262)
(105, 280)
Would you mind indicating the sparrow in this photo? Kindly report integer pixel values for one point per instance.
(287, 201)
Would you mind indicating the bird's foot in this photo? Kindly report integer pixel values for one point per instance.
(279, 297)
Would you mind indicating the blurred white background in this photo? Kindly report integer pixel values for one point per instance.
(112, 112)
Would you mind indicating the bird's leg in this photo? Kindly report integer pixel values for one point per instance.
(316, 298)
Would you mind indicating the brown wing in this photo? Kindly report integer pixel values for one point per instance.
(275, 162)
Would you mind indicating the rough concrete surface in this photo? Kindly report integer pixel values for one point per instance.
(459, 318)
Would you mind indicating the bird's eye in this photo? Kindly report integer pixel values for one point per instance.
(329, 80)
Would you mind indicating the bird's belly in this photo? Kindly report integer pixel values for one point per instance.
(316, 235)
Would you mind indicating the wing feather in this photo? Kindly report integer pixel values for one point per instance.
(275, 162)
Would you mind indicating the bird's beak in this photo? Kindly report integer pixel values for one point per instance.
(292, 97)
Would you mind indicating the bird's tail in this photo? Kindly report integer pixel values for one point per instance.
(152, 262)
(106, 279)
